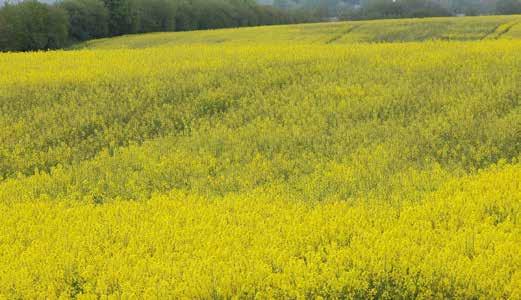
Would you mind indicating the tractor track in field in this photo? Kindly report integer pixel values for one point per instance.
(491, 32)
(506, 30)
(341, 35)
(499, 34)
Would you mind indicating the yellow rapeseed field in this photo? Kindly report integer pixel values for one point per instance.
(268, 169)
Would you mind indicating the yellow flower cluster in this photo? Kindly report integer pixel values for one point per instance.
(265, 170)
(461, 241)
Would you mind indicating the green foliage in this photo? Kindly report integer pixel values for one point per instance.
(33, 26)
(87, 18)
(157, 15)
(123, 16)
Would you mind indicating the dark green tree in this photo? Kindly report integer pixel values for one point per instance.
(32, 25)
(123, 16)
(157, 15)
(87, 18)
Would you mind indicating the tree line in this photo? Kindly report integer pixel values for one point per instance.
(379, 9)
(32, 25)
